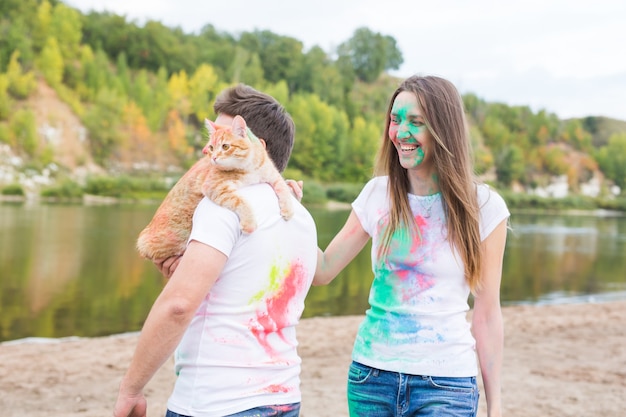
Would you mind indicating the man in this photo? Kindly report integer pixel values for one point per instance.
(232, 301)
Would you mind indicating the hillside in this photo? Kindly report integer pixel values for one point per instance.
(602, 128)
(61, 130)
(94, 94)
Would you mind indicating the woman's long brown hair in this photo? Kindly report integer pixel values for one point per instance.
(442, 108)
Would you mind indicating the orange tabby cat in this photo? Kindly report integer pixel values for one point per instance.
(235, 158)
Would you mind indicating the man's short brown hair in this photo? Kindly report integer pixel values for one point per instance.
(265, 116)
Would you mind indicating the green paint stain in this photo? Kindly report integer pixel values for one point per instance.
(420, 155)
(400, 116)
(252, 136)
(275, 278)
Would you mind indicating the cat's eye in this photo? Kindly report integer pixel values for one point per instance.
(210, 148)
(225, 147)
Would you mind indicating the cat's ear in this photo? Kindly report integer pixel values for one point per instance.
(239, 127)
(210, 126)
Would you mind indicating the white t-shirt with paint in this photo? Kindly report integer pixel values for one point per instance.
(239, 351)
(416, 323)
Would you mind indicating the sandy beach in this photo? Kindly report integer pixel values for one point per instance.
(560, 360)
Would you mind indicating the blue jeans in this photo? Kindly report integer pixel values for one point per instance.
(286, 410)
(376, 393)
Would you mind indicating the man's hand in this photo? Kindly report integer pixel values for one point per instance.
(167, 266)
(296, 188)
(130, 406)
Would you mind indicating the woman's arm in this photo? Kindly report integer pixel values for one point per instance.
(341, 250)
(487, 319)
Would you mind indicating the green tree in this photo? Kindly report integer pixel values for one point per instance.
(123, 73)
(160, 46)
(24, 131)
(554, 160)
(15, 36)
(41, 26)
(252, 73)
(103, 121)
(112, 35)
(338, 135)
(246, 67)
(496, 133)
(279, 91)
(15, 9)
(21, 83)
(141, 92)
(281, 56)
(320, 76)
(612, 159)
(66, 27)
(178, 89)
(160, 100)
(510, 164)
(215, 48)
(362, 143)
(475, 107)
(575, 134)
(5, 99)
(203, 87)
(371, 53)
(100, 74)
(543, 128)
(308, 149)
(482, 156)
(321, 132)
(50, 63)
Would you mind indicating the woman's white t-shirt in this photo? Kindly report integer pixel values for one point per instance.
(239, 351)
(416, 323)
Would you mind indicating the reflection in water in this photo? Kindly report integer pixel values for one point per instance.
(55, 255)
(554, 230)
(551, 258)
(74, 270)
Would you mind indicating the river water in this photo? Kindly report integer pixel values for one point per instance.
(72, 270)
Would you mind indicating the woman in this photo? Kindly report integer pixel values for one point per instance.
(437, 234)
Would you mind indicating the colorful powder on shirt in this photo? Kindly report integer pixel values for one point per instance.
(399, 281)
(279, 388)
(274, 313)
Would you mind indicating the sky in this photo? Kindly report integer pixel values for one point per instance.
(567, 57)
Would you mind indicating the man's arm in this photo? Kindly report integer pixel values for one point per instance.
(167, 321)
(167, 266)
(487, 319)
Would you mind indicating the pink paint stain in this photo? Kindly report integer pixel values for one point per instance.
(275, 317)
(279, 388)
(409, 253)
(423, 282)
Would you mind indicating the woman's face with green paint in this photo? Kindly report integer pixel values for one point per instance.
(408, 132)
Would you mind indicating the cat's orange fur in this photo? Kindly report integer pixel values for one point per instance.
(235, 158)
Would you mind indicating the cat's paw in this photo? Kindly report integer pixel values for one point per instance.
(286, 212)
(247, 226)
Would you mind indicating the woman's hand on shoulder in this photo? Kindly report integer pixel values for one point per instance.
(296, 188)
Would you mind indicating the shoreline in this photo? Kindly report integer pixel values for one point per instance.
(598, 298)
(91, 200)
(559, 360)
